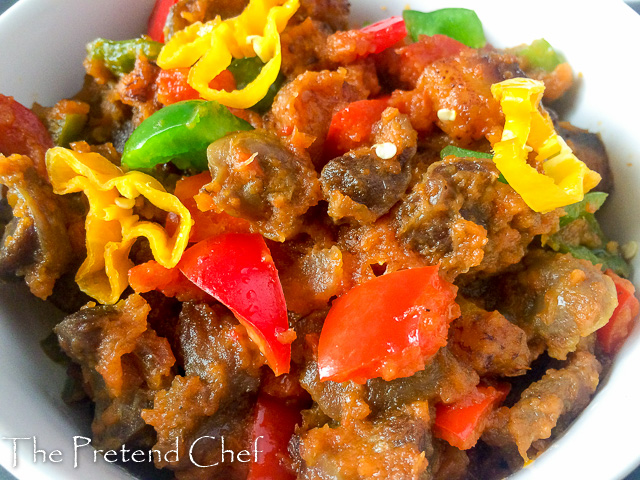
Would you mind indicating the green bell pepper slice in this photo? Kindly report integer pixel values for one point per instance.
(585, 208)
(461, 24)
(540, 54)
(120, 56)
(69, 128)
(463, 152)
(180, 133)
(572, 238)
(245, 70)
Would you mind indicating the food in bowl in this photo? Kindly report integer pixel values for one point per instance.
(381, 258)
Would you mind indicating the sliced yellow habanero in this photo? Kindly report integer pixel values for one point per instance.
(566, 179)
(209, 49)
(111, 226)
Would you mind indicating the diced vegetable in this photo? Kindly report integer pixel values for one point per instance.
(598, 256)
(237, 269)
(461, 423)
(120, 56)
(245, 71)
(387, 327)
(581, 236)
(274, 424)
(66, 121)
(205, 224)
(180, 133)
(585, 208)
(158, 19)
(70, 128)
(22, 132)
(528, 127)
(172, 85)
(614, 333)
(208, 49)
(352, 126)
(385, 33)
(111, 225)
(460, 24)
(462, 152)
(540, 54)
(171, 282)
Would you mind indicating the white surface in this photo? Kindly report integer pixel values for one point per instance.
(600, 39)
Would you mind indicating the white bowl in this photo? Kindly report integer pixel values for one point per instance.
(41, 60)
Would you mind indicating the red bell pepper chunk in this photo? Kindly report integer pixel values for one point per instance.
(612, 335)
(386, 33)
(172, 85)
(158, 19)
(205, 224)
(351, 127)
(170, 281)
(387, 327)
(22, 132)
(273, 426)
(237, 269)
(461, 423)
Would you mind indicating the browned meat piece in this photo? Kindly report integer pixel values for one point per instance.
(589, 148)
(117, 421)
(35, 243)
(374, 249)
(310, 274)
(396, 447)
(214, 346)
(163, 319)
(444, 379)
(302, 47)
(488, 342)
(452, 463)
(463, 84)
(344, 402)
(255, 177)
(187, 412)
(307, 103)
(66, 295)
(334, 13)
(557, 299)
(559, 396)
(178, 412)
(123, 363)
(231, 422)
(403, 66)
(462, 217)
(365, 183)
(138, 90)
(454, 80)
(186, 12)
(222, 368)
(419, 109)
(109, 118)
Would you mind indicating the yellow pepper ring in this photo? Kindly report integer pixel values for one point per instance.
(209, 48)
(566, 179)
(111, 226)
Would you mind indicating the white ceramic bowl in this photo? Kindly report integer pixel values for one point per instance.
(42, 48)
